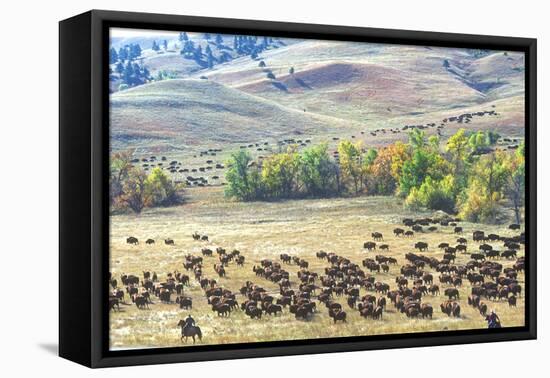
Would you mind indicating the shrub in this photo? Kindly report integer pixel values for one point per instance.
(243, 178)
(434, 195)
(160, 189)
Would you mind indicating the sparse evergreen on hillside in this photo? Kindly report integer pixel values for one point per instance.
(113, 56)
(188, 49)
(127, 72)
(198, 54)
(135, 51)
(123, 54)
(209, 57)
(119, 68)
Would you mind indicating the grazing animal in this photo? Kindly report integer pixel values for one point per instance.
(132, 240)
(338, 315)
(185, 303)
(421, 246)
(149, 241)
(377, 236)
(369, 246)
(426, 310)
(452, 293)
(398, 232)
(483, 309)
(114, 304)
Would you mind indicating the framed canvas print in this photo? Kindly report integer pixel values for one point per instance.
(234, 188)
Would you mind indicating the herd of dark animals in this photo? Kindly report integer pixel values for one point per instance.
(195, 176)
(342, 278)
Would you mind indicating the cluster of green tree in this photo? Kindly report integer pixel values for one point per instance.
(284, 175)
(131, 74)
(463, 176)
(127, 52)
(242, 45)
(478, 53)
(156, 46)
(166, 75)
(131, 188)
(251, 45)
(126, 69)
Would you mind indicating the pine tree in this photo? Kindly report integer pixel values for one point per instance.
(198, 53)
(210, 57)
(165, 44)
(291, 71)
(134, 51)
(128, 74)
(113, 56)
(184, 37)
(119, 68)
(219, 40)
(146, 74)
(207, 36)
(122, 54)
(155, 47)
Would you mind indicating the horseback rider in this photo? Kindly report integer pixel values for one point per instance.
(493, 320)
(189, 322)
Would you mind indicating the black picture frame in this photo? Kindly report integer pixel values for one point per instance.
(83, 180)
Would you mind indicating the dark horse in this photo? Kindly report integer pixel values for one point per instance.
(190, 331)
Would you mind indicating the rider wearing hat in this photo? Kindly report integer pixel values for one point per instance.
(189, 321)
(494, 320)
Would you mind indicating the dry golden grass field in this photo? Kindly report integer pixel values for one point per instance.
(265, 230)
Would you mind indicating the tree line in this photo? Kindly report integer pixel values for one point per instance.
(132, 189)
(464, 176)
(205, 57)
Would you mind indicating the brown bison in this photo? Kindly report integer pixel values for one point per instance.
(132, 240)
(452, 293)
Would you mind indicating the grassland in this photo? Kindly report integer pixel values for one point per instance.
(265, 230)
(337, 91)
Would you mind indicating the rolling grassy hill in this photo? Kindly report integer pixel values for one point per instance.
(191, 112)
(335, 88)
(368, 81)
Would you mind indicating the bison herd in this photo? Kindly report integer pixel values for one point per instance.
(343, 286)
